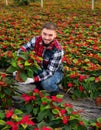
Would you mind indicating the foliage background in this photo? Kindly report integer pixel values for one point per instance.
(79, 32)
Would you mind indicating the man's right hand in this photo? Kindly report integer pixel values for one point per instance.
(14, 73)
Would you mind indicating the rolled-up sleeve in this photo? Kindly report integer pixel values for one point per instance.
(28, 46)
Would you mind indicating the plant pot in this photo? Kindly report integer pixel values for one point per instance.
(17, 77)
(98, 101)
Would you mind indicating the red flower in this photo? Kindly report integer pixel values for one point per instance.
(14, 125)
(81, 123)
(74, 75)
(26, 120)
(26, 97)
(46, 128)
(68, 105)
(3, 75)
(75, 112)
(9, 54)
(9, 113)
(82, 77)
(81, 88)
(35, 129)
(70, 84)
(44, 103)
(97, 79)
(98, 124)
(36, 90)
(63, 111)
(59, 99)
(65, 119)
(54, 98)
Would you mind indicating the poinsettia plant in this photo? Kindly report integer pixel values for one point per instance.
(6, 90)
(50, 111)
(26, 64)
(15, 119)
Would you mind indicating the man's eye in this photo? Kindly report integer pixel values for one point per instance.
(44, 34)
(50, 35)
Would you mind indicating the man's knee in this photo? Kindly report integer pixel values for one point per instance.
(46, 83)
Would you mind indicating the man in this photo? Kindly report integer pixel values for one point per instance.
(47, 47)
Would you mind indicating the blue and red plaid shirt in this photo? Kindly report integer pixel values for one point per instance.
(52, 56)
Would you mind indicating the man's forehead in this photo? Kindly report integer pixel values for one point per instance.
(48, 31)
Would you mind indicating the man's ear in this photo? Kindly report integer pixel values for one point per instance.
(55, 34)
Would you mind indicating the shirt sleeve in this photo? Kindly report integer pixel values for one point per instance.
(53, 66)
(28, 46)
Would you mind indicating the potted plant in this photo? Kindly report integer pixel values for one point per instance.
(98, 101)
(51, 111)
(26, 64)
(6, 91)
(15, 119)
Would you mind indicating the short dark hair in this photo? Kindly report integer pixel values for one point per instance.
(50, 25)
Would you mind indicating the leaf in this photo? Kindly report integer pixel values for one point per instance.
(30, 73)
(2, 115)
(91, 78)
(99, 119)
(42, 115)
(59, 96)
(7, 91)
(67, 128)
(23, 76)
(75, 60)
(43, 107)
(11, 69)
(29, 108)
(2, 122)
(27, 63)
(86, 60)
(55, 111)
(41, 124)
(18, 112)
(24, 126)
(35, 111)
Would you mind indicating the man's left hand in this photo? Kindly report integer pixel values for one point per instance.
(28, 81)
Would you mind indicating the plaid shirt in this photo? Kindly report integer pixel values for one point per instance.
(52, 56)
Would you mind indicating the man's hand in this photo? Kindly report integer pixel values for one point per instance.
(14, 73)
(28, 81)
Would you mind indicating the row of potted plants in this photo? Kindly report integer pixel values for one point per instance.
(37, 110)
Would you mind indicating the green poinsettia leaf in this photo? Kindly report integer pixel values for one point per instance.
(23, 76)
(99, 119)
(24, 126)
(11, 69)
(27, 63)
(2, 122)
(18, 112)
(35, 111)
(43, 107)
(29, 108)
(55, 111)
(13, 63)
(42, 115)
(2, 115)
(30, 73)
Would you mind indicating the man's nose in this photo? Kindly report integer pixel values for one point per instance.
(46, 37)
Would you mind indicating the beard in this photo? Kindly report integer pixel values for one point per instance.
(46, 44)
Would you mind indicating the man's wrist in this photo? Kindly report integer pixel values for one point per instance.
(36, 79)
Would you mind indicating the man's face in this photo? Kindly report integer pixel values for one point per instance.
(48, 35)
